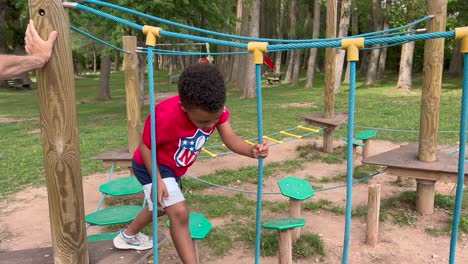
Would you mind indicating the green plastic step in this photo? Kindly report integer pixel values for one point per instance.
(113, 215)
(356, 143)
(199, 225)
(284, 223)
(102, 237)
(296, 188)
(366, 134)
(121, 186)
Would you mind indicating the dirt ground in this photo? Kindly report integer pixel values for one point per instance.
(24, 219)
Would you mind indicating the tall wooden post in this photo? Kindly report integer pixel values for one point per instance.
(295, 211)
(132, 92)
(373, 211)
(432, 83)
(330, 76)
(57, 107)
(430, 98)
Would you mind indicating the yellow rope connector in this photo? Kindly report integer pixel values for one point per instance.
(290, 134)
(209, 153)
(258, 49)
(308, 129)
(152, 33)
(272, 139)
(352, 46)
(461, 33)
(249, 142)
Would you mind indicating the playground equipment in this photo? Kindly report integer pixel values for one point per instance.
(297, 190)
(285, 226)
(61, 150)
(199, 227)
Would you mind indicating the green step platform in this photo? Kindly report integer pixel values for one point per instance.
(355, 143)
(366, 134)
(284, 223)
(296, 188)
(113, 215)
(102, 237)
(199, 225)
(121, 187)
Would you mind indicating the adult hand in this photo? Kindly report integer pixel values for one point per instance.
(36, 46)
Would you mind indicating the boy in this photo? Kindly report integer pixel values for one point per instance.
(183, 125)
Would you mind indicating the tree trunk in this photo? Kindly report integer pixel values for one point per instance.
(456, 60)
(354, 32)
(313, 52)
(406, 65)
(94, 60)
(117, 61)
(104, 89)
(383, 52)
(279, 33)
(141, 77)
(329, 111)
(234, 73)
(249, 87)
(292, 35)
(342, 32)
(375, 53)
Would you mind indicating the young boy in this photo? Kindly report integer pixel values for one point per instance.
(183, 125)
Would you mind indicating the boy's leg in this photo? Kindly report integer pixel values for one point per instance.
(178, 213)
(143, 219)
(180, 233)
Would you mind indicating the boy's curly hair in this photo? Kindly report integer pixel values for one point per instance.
(202, 86)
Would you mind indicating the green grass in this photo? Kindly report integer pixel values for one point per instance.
(102, 125)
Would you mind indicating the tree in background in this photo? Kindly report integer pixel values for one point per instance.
(313, 52)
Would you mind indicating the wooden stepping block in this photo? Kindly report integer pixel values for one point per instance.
(102, 252)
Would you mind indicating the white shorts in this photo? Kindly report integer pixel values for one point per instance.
(175, 194)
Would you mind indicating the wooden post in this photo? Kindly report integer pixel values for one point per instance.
(365, 149)
(354, 157)
(285, 247)
(373, 211)
(295, 212)
(57, 107)
(330, 75)
(425, 194)
(132, 92)
(432, 82)
(195, 242)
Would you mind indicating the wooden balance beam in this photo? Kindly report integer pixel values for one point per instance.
(99, 253)
(120, 157)
(405, 162)
(329, 125)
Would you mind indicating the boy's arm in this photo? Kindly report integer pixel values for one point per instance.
(238, 145)
(146, 155)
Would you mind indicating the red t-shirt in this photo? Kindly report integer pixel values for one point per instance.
(178, 140)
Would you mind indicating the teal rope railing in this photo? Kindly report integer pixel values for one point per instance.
(162, 32)
(370, 176)
(209, 32)
(190, 53)
(86, 34)
(461, 163)
(154, 166)
(349, 165)
(258, 77)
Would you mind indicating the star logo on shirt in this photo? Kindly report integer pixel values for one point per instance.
(190, 147)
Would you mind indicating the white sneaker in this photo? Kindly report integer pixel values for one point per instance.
(139, 241)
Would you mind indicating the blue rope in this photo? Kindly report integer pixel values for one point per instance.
(461, 164)
(77, 30)
(349, 167)
(154, 166)
(162, 32)
(276, 193)
(447, 34)
(258, 75)
(168, 22)
(190, 53)
(111, 17)
(387, 46)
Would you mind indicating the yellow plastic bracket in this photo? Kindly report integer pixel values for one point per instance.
(152, 33)
(258, 49)
(461, 33)
(352, 46)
